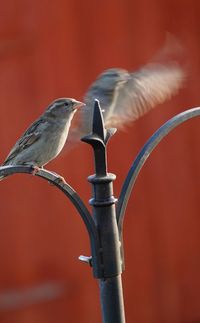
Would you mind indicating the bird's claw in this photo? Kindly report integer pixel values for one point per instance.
(60, 180)
(35, 170)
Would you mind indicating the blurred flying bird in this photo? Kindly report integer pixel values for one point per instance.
(125, 96)
(45, 138)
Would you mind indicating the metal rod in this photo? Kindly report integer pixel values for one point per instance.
(112, 304)
(104, 215)
(54, 179)
(144, 154)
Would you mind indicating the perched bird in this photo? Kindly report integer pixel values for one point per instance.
(45, 138)
(125, 96)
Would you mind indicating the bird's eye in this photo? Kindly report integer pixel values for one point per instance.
(66, 104)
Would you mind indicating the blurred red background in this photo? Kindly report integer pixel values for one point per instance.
(50, 49)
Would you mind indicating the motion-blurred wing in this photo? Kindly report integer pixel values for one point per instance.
(124, 96)
(146, 88)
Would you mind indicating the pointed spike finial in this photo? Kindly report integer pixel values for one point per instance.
(98, 122)
(98, 139)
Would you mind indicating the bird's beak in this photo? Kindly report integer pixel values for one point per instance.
(78, 104)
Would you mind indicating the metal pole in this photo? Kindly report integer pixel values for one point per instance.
(104, 215)
(112, 300)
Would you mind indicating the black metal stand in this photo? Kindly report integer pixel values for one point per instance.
(104, 215)
(105, 225)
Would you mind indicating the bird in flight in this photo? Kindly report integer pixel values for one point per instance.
(125, 96)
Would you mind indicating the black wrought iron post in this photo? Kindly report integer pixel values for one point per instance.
(105, 225)
(104, 214)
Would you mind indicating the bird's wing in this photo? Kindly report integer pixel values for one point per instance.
(145, 88)
(30, 136)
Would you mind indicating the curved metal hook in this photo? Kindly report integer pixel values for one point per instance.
(144, 154)
(74, 198)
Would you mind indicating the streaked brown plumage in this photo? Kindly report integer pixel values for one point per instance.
(45, 138)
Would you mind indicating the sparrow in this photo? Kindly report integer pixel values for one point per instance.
(45, 137)
(125, 96)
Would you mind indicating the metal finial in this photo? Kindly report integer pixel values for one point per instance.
(98, 139)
